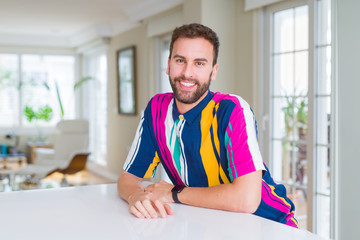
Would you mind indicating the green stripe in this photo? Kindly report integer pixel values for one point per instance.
(176, 153)
(228, 141)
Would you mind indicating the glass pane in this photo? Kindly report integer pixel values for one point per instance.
(41, 76)
(284, 31)
(164, 84)
(282, 155)
(301, 164)
(323, 170)
(324, 70)
(282, 118)
(287, 160)
(301, 73)
(301, 111)
(277, 153)
(324, 22)
(323, 216)
(298, 197)
(283, 74)
(9, 90)
(323, 120)
(301, 28)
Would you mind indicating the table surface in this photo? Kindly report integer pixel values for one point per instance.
(97, 212)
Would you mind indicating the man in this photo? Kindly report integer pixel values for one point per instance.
(205, 141)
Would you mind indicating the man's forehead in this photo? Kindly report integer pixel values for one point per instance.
(192, 46)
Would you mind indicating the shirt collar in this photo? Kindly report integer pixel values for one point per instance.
(191, 115)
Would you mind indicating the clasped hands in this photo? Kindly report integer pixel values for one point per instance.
(151, 201)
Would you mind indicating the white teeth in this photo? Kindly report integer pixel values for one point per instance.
(187, 84)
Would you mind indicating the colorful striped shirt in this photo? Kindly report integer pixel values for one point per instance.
(213, 143)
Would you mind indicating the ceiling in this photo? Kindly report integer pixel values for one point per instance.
(70, 23)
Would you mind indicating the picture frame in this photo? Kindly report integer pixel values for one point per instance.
(126, 79)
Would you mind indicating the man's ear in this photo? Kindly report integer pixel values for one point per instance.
(214, 72)
(168, 67)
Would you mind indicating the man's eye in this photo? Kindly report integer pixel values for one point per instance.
(179, 60)
(199, 63)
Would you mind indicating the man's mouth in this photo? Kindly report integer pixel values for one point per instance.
(187, 84)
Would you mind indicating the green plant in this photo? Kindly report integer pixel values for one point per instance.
(76, 86)
(43, 113)
(295, 107)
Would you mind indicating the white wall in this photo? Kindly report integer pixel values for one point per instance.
(348, 115)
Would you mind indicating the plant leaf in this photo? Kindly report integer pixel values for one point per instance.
(59, 98)
(82, 81)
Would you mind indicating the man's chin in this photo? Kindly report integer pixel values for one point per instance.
(187, 99)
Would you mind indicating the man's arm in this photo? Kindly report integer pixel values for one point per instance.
(242, 195)
(141, 204)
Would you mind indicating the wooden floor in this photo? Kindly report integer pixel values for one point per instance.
(84, 177)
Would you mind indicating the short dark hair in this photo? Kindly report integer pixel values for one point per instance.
(196, 30)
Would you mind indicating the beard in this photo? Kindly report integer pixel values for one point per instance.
(189, 97)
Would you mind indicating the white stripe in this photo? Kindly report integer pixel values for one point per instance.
(184, 170)
(251, 133)
(169, 123)
(134, 147)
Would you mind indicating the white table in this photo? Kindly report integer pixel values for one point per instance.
(97, 212)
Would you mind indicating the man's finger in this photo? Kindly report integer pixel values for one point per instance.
(168, 209)
(135, 212)
(140, 207)
(160, 207)
(150, 208)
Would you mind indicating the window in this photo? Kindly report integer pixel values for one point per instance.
(299, 98)
(163, 51)
(94, 104)
(35, 81)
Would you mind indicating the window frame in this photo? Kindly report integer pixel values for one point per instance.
(263, 75)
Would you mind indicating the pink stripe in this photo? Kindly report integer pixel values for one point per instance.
(159, 109)
(290, 221)
(272, 200)
(244, 160)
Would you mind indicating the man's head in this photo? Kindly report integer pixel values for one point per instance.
(192, 64)
(196, 30)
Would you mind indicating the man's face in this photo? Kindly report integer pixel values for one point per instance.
(190, 69)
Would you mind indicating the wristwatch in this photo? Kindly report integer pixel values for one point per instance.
(175, 191)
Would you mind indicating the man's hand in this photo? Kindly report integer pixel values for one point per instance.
(161, 190)
(146, 205)
(142, 204)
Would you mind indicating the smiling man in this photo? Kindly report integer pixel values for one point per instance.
(205, 141)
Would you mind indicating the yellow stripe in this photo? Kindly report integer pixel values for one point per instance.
(223, 176)
(273, 192)
(206, 150)
(152, 166)
(293, 219)
(215, 131)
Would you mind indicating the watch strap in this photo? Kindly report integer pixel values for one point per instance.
(175, 191)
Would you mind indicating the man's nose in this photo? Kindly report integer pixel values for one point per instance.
(188, 70)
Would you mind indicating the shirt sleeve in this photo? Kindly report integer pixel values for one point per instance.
(241, 143)
(142, 158)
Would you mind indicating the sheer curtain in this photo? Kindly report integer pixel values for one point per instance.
(94, 103)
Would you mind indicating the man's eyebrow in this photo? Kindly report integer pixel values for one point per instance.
(178, 56)
(201, 59)
(196, 59)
